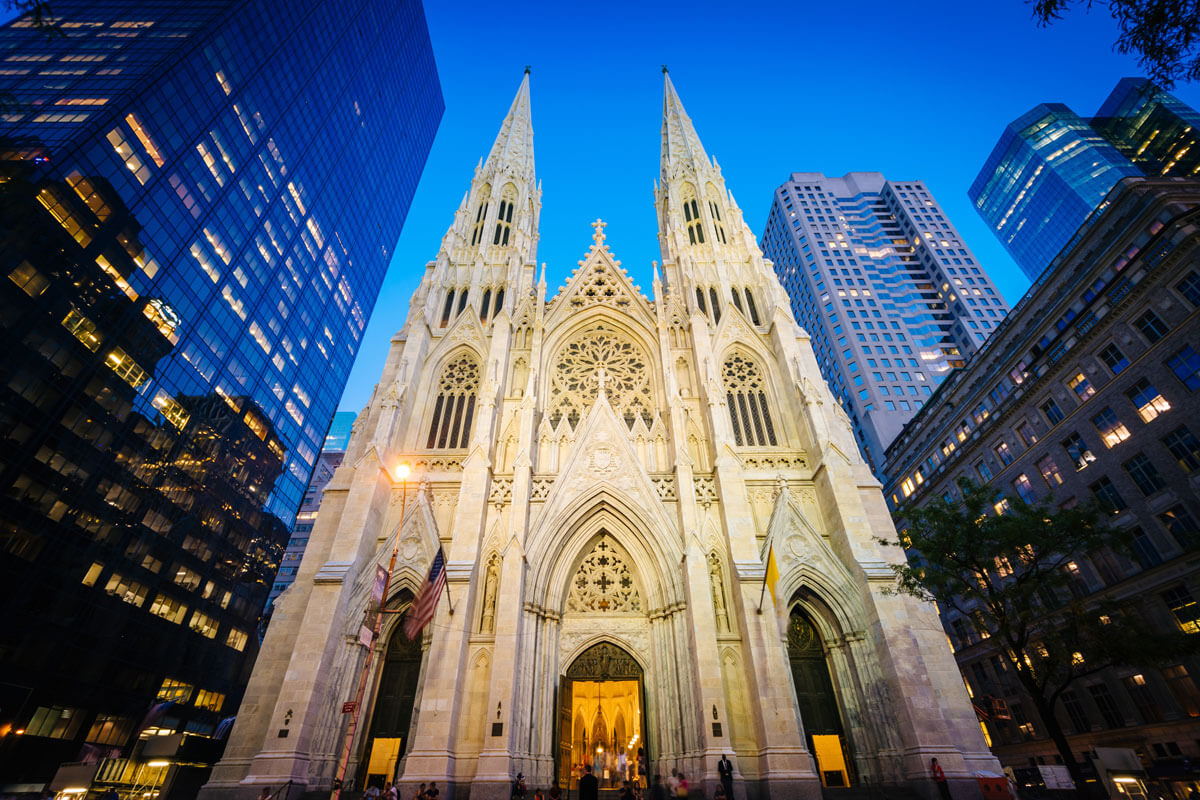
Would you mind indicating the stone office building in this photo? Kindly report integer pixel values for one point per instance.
(1089, 390)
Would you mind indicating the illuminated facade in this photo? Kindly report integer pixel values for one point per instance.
(887, 289)
(1052, 168)
(1090, 391)
(605, 471)
(189, 255)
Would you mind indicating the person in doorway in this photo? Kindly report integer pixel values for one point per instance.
(725, 770)
(589, 787)
(939, 777)
(372, 792)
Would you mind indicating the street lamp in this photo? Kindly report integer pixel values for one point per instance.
(400, 472)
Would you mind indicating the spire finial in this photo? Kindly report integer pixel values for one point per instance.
(598, 236)
(526, 69)
(664, 66)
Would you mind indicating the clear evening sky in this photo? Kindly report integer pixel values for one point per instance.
(912, 90)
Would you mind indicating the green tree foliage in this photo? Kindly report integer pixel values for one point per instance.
(1013, 576)
(1163, 34)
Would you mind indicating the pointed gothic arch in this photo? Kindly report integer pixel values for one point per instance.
(691, 215)
(745, 384)
(454, 409)
(630, 373)
(504, 215)
(715, 204)
(481, 212)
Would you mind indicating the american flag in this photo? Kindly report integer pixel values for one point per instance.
(422, 611)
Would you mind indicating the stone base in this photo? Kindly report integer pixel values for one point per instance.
(769, 788)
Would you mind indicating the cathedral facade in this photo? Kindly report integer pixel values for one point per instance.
(608, 475)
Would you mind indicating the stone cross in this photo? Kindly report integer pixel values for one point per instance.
(598, 236)
(601, 378)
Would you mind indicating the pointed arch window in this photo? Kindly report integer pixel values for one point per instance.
(745, 393)
(715, 209)
(454, 409)
(751, 306)
(485, 305)
(691, 216)
(737, 298)
(716, 306)
(504, 219)
(700, 301)
(447, 308)
(480, 217)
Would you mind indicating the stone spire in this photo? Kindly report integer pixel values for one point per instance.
(512, 152)
(681, 147)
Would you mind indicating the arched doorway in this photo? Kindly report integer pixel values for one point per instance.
(818, 702)
(601, 721)
(392, 715)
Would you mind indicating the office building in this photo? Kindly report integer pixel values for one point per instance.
(193, 236)
(1090, 390)
(328, 460)
(1052, 168)
(887, 289)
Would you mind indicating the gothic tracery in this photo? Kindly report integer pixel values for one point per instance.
(603, 583)
(624, 370)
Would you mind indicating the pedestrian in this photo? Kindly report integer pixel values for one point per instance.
(518, 787)
(372, 792)
(725, 770)
(432, 792)
(939, 777)
(719, 792)
(537, 795)
(589, 787)
(657, 790)
(673, 782)
(681, 789)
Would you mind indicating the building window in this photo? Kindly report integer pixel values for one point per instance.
(55, 722)
(1151, 326)
(1146, 399)
(1107, 706)
(716, 305)
(1023, 488)
(1189, 287)
(1183, 607)
(1026, 432)
(1112, 430)
(1004, 453)
(110, 730)
(1183, 687)
(715, 209)
(983, 470)
(504, 217)
(1076, 712)
(1139, 690)
(1144, 474)
(1078, 451)
(1081, 386)
(1184, 445)
(1054, 414)
(1186, 366)
(175, 691)
(1182, 526)
(454, 409)
(1114, 359)
(1049, 472)
(752, 306)
(1144, 549)
(691, 215)
(480, 216)
(748, 412)
(1108, 496)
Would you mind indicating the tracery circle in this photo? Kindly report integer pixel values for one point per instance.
(461, 376)
(626, 377)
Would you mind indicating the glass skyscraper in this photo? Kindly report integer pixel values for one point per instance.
(200, 200)
(1052, 168)
(887, 289)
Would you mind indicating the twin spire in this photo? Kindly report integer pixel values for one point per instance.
(512, 152)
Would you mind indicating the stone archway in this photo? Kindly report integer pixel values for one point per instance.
(604, 684)
(820, 710)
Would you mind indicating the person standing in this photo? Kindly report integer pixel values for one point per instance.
(673, 782)
(725, 770)
(939, 777)
(589, 787)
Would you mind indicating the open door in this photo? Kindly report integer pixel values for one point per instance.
(565, 723)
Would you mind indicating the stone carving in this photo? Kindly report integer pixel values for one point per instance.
(706, 490)
(603, 583)
(501, 494)
(626, 371)
(718, 592)
(541, 488)
(604, 661)
(487, 617)
(664, 487)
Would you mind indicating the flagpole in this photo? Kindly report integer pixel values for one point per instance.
(446, 584)
(344, 763)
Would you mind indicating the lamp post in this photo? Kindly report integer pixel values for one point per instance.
(402, 472)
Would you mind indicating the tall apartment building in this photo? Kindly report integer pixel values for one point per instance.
(1052, 168)
(328, 460)
(192, 236)
(887, 289)
(1090, 390)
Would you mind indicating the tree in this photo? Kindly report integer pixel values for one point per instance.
(1008, 567)
(1164, 34)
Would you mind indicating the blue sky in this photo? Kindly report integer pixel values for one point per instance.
(912, 90)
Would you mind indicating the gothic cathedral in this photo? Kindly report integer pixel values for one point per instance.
(607, 474)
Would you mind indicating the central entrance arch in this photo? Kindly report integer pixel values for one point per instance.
(601, 702)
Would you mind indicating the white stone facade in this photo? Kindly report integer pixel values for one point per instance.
(688, 435)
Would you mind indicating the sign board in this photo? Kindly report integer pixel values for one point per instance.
(1056, 776)
(349, 706)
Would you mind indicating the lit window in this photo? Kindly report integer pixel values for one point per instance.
(82, 329)
(1147, 400)
(126, 368)
(236, 639)
(209, 701)
(168, 608)
(140, 132)
(29, 279)
(1081, 386)
(1078, 450)
(1023, 488)
(175, 691)
(1049, 471)
(1184, 608)
(1112, 430)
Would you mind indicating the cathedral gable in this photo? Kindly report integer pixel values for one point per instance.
(599, 280)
